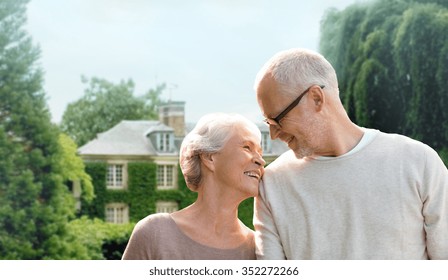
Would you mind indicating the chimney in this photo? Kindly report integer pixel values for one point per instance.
(172, 114)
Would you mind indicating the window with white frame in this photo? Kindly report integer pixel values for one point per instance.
(115, 176)
(165, 176)
(166, 206)
(164, 142)
(266, 142)
(117, 213)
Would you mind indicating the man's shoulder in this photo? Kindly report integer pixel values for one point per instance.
(404, 148)
(404, 141)
(286, 157)
(285, 164)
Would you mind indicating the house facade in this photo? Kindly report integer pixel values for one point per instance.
(135, 166)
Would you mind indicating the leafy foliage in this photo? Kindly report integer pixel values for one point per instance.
(94, 239)
(392, 59)
(105, 104)
(35, 205)
(142, 189)
(72, 166)
(96, 207)
(246, 212)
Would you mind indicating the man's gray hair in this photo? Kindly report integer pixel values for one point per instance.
(208, 137)
(296, 69)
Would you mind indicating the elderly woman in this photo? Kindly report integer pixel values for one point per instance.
(221, 159)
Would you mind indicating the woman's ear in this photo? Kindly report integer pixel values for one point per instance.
(207, 160)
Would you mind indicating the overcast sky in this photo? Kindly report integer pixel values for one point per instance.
(206, 51)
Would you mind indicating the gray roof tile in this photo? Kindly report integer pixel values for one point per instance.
(125, 138)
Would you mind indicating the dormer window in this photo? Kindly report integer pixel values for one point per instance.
(165, 141)
(161, 138)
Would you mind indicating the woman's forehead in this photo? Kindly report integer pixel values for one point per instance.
(244, 133)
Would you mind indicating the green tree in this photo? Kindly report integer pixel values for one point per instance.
(105, 104)
(35, 205)
(391, 59)
(73, 168)
(421, 54)
(94, 239)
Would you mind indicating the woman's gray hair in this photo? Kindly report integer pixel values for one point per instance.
(208, 137)
(296, 69)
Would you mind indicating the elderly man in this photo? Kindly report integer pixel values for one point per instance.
(341, 191)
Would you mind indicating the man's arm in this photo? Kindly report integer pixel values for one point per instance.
(267, 240)
(435, 207)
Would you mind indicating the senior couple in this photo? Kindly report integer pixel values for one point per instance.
(340, 192)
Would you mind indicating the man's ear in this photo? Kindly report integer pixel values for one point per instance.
(318, 97)
(207, 160)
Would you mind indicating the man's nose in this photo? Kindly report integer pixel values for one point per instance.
(274, 131)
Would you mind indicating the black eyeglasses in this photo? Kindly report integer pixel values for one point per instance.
(276, 120)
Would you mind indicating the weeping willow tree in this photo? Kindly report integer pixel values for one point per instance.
(391, 57)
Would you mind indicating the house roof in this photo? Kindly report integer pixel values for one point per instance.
(131, 138)
(125, 138)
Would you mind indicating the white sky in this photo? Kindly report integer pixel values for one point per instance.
(206, 51)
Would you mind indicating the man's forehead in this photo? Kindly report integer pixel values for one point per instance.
(267, 86)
